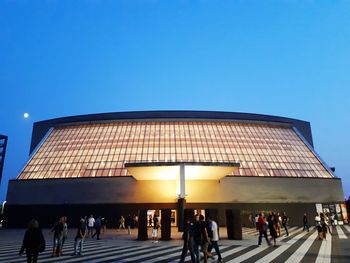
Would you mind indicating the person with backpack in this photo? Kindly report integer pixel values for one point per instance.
(187, 237)
(213, 235)
(33, 242)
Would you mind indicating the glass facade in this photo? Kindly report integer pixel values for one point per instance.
(95, 150)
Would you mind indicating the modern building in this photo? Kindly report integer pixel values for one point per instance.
(122, 163)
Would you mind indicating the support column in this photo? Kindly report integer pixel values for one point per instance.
(180, 182)
(234, 224)
(181, 205)
(181, 192)
(165, 224)
(142, 227)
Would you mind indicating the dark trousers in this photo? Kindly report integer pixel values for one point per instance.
(306, 226)
(286, 228)
(187, 247)
(263, 233)
(97, 233)
(195, 247)
(214, 244)
(32, 257)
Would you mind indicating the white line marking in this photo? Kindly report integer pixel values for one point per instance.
(325, 252)
(341, 233)
(298, 255)
(274, 254)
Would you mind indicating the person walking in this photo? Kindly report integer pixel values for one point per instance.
(262, 228)
(91, 225)
(97, 228)
(285, 220)
(305, 223)
(57, 237)
(150, 220)
(328, 223)
(155, 228)
(197, 238)
(64, 233)
(271, 224)
(187, 237)
(204, 238)
(79, 239)
(128, 222)
(33, 242)
(319, 226)
(121, 222)
(103, 225)
(323, 225)
(278, 223)
(214, 238)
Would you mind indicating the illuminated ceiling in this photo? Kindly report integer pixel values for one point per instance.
(170, 171)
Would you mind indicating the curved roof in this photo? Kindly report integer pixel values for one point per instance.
(40, 128)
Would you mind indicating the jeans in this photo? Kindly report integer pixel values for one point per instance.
(187, 247)
(78, 244)
(214, 244)
(97, 233)
(263, 233)
(306, 226)
(286, 228)
(196, 252)
(57, 241)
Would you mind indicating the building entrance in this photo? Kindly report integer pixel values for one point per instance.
(158, 213)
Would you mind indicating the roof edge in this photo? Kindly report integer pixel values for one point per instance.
(40, 128)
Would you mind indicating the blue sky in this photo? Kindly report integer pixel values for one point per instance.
(285, 58)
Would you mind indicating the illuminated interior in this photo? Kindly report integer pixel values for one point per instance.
(171, 172)
(102, 149)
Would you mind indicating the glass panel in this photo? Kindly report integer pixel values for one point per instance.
(102, 149)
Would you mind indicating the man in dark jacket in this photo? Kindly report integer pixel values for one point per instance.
(79, 239)
(187, 237)
(33, 242)
(97, 228)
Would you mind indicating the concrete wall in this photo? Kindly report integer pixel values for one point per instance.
(124, 190)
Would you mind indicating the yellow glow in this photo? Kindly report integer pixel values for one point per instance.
(192, 172)
(154, 172)
(199, 172)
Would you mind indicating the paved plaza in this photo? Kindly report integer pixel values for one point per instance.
(117, 246)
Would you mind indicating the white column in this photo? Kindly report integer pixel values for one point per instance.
(180, 182)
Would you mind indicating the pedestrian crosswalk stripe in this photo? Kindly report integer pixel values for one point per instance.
(340, 232)
(255, 232)
(159, 250)
(50, 259)
(325, 252)
(298, 247)
(117, 254)
(224, 250)
(12, 254)
(248, 255)
(169, 257)
(301, 251)
(347, 228)
(269, 257)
